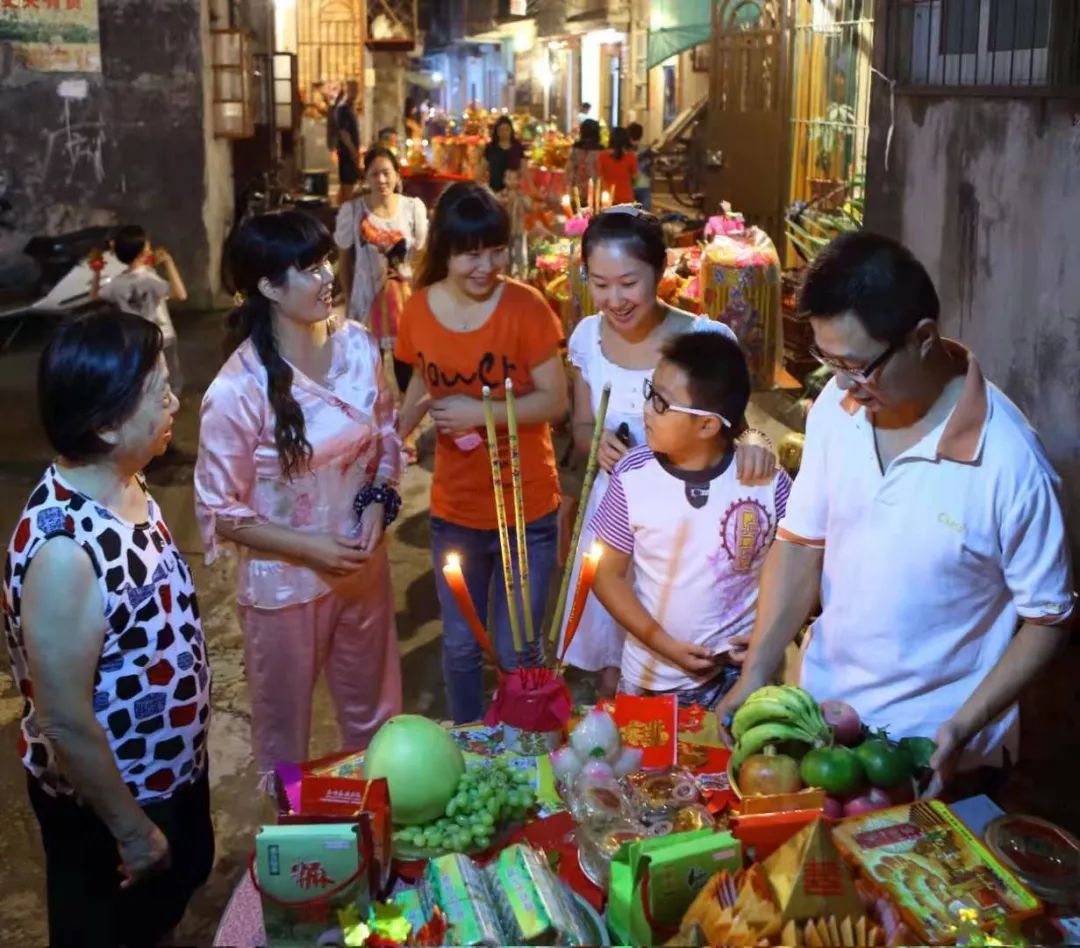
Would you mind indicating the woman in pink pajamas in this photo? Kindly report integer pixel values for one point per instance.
(297, 471)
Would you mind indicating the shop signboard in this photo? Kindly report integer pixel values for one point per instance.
(52, 35)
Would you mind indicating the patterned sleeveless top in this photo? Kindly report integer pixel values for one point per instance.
(152, 685)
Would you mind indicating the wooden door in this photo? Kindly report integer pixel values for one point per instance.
(747, 131)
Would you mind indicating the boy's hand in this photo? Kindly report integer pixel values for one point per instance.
(754, 463)
(692, 659)
(740, 645)
(161, 255)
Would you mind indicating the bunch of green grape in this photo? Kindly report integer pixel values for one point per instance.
(486, 797)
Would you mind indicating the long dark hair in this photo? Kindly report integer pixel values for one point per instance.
(503, 120)
(265, 247)
(467, 217)
(619, 142)
(588, 135)
(639, 231)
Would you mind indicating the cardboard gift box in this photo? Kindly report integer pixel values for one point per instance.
(306, 795)
(653, 881)
(934, 869)
(305, 874)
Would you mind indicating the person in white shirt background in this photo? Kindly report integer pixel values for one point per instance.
(927, 518)
(142, 291)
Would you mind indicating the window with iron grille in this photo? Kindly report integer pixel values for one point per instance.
(1014, 47)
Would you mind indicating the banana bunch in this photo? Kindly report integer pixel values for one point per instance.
(773, 714)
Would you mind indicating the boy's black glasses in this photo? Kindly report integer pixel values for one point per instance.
(662, 406)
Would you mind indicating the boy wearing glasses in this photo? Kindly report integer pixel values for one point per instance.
(683, 539)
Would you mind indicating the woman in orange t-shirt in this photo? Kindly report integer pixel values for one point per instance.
(465, 327)
(618, 167)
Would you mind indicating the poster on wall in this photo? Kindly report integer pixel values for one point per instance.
(52, 35)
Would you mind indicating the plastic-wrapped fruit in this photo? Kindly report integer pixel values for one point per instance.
(597, 770)
(769, 773)
(596, 736)
(628, 761)
(565, 764)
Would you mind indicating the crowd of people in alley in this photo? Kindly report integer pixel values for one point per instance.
(924, 531)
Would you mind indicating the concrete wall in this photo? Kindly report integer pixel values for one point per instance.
(133, 149)
(986, 191)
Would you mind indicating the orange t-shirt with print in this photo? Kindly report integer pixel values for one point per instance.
(617, 175)
(521, 334)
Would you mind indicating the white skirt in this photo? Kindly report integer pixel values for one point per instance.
(598, 642)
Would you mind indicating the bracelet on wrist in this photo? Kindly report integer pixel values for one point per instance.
(383, 494)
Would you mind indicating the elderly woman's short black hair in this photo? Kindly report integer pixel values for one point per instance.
(91, 376)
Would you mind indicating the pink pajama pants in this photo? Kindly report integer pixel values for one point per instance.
(351, 634)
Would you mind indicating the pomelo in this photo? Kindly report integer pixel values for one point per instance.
(421, 764)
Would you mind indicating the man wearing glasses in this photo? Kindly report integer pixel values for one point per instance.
(925, 517)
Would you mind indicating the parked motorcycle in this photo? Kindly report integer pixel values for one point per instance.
(64, 277)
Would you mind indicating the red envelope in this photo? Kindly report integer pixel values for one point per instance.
(651, 724)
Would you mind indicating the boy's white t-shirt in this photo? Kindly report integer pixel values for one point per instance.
(698, 540)
(143, 292)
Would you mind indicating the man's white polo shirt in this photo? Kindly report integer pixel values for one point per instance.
(928, 568)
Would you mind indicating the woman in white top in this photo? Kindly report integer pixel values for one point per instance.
(379, 234)
(624, 254)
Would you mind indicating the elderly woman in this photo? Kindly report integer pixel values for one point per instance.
(113, 669)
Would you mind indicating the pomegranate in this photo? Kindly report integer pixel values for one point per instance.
(769, 773)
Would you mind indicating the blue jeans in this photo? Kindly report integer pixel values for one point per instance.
(707, 695)
(481, 564)
(643, 196)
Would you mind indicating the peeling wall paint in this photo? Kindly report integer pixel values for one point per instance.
(986, 192)
(125, 145)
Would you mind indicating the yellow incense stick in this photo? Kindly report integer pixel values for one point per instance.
(583, 502)
(500, 515)
(519, 512)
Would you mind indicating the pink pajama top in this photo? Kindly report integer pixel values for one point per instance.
(350, 423)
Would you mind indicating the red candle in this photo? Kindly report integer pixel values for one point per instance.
(586, 575)
(456, 581)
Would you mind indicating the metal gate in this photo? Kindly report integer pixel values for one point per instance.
(746, 159)
(329, 42)
(830, 114)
